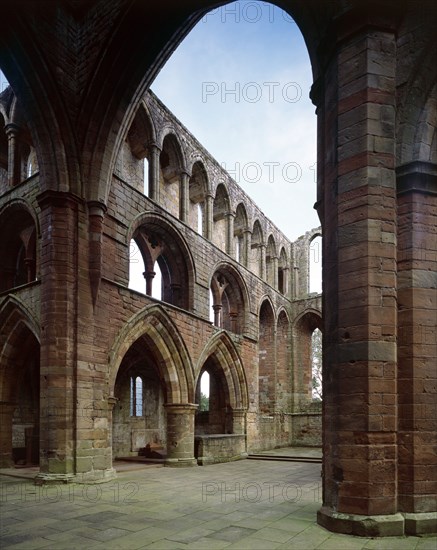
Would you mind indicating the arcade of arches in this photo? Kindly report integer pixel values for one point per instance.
(91, 369)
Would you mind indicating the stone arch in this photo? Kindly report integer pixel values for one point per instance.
(159, 241)
(19, 384)
(266, 357)
(18, 245)
(154, 327)
(230, 298)
(241, 231)
(257, 252)
(141, 132)
(136, 159)
(283, 272)
(222, 348)
(283, 361)
(271, 261)
(198, 186)
(172, 170)
(303, 329)
(220, 216)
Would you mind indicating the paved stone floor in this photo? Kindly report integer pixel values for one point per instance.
(247, 504)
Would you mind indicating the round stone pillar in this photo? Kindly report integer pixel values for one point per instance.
(180, 434)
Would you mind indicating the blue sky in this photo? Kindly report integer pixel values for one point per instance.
(240, 83)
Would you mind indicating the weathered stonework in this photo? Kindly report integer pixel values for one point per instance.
(74, 338)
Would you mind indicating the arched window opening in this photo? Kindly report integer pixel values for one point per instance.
(256, 252)
(200, 220)
(271, 262)
(146, 176)
(171, 175)
(238, 249)
(316, 265)
(214, 415)
(241, 234)
(198, 185)
(136, 268)
(316, 365)
(266, 359)
(139, 422)
(204, 391)
(221, 210)
(283, 272)
(136, 396)
(227, 301)
(160, 264)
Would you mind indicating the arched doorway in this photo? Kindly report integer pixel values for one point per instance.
(19, 389)
(220, 427)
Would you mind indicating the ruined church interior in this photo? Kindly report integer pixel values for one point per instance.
(135, 272)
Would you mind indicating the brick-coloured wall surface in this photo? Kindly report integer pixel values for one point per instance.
(90, 161)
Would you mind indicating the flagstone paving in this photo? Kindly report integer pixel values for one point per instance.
(247, 504)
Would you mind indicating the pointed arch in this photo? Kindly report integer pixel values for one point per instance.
(18, 255)
(241, 230)
(230, 298)
(266, 357)
(160, 241)
(157, 331)
(256, 252)
(223, 350)
(18, 328)
(303, 328)
(198, 186)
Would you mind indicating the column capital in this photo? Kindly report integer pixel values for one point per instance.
(181, 408)
(12, 129)
(96, 208)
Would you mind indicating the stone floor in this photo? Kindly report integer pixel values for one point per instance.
(247, 504)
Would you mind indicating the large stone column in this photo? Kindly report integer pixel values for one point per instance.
(358, 211)
(180, 434)
(417, 372)
(58, 370)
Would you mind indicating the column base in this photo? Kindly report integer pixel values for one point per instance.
(424, 523)
(180, 462)
(96, 476)
(361, 526)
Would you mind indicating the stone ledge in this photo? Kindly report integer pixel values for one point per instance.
(424, 523)
(362, 526)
